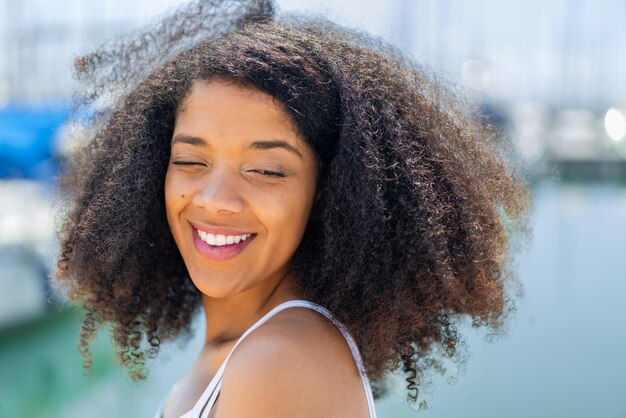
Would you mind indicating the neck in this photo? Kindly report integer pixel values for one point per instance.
(228, 318)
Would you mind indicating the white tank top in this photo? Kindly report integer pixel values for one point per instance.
(203, 406)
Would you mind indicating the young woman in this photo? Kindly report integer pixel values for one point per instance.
(251, 164)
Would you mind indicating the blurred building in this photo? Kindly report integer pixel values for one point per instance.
(563, 53)
(40, 39)
(554, 71)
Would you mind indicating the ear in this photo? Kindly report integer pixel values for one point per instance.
(315, 212)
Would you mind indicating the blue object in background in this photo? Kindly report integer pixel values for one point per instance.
(27, 147)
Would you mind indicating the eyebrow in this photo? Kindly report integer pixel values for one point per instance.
(275, 143)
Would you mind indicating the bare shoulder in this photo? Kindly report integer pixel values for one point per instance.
(297, 364)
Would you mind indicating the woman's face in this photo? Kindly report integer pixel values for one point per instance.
(237, 167)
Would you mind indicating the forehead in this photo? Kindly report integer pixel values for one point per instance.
(224, 111)
(229, 98)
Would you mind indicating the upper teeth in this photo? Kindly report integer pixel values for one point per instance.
(222, 239)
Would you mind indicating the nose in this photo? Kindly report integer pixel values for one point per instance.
(218, 192)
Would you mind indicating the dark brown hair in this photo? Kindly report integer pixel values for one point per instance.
(419, 207)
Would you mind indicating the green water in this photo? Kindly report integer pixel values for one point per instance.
(42, 375)
(41, 369)
(561, 358)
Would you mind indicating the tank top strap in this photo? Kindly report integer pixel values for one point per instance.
(353, 348)
(203, 407)
(207, 399)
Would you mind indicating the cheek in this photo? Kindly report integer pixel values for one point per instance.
(287, 213)
(175, 195)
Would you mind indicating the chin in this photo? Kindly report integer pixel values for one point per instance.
(215, 288)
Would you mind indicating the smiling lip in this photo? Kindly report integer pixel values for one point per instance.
(222, 252)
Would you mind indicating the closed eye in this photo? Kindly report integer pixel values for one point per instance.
(265, 173)
(186, 163)
(270, 173)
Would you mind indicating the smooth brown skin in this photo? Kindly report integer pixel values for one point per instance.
(297, 364)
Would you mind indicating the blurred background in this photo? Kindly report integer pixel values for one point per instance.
(551, 74)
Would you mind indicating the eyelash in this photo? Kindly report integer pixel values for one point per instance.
(185, 163)
(265, 173)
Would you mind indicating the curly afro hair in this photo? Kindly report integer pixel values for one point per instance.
(419, 202)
